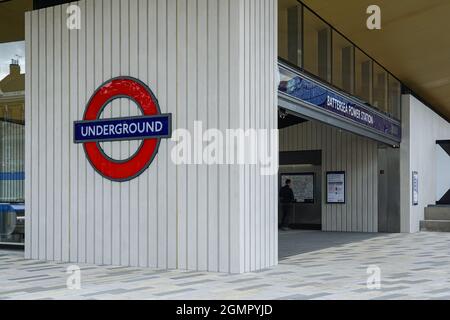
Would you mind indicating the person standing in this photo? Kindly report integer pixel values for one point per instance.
(287, 199)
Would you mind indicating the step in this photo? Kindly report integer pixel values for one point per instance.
(437, 213)
(435, 225)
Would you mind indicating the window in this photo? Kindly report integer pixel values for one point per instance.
(12, 127)
(395, 97)
(308, 42)
(363, 76)
(290, 31)
(317, 46)
(380, 82)
(343, 63)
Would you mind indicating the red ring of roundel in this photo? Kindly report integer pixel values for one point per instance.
(142, 95)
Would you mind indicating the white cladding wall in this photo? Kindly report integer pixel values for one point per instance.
(442, 172)
(208, 60)
(341, 151)
(421, 128)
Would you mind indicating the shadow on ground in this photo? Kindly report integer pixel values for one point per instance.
(291, 243)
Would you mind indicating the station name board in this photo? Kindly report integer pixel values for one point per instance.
(328, 99)
(133, 128)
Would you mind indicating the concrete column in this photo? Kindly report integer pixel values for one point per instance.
(212, 61)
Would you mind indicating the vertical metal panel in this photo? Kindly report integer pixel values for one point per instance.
(258, 96)
(257, 80)
(274, 113)
(41, 134)
(247, 180)
(153, 170)
(90, 87)
(50, 135)
(172, 169)
(375, 184)
(143, 181)
(65, 136)
(116, 188)
(98, 181)
(124, 146)
(354, 184)
(192, 94)
(58, 133)
(202, 105)
(224, 104)
(181, 122)
(134, 145)
(162, 92)
(82, 165)
(73, 150)
(342, 147)
(252, 124)
(107, 185)
(350, 195)
(28, 137)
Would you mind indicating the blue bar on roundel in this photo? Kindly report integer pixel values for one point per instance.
(117, 129)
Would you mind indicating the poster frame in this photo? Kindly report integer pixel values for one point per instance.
(301, 174)
(345, 186)
(415, 188)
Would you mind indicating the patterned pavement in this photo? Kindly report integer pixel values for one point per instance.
(313, 265)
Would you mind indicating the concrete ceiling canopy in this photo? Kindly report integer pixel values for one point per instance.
(411, 44)
(12, 19)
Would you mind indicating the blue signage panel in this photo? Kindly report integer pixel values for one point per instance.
(132, 128)
(325, 98)
(11, 176)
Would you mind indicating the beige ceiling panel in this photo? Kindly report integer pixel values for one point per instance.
(414, 43)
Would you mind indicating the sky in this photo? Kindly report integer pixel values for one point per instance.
(9, 51)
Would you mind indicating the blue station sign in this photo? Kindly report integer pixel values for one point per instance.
(132, 128)
(321, 96)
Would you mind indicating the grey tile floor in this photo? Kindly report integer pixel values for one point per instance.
(313, 265)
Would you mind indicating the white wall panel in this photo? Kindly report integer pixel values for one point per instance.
(421, 128)
(341, 151)
(207, 60)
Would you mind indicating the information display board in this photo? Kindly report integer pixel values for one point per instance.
(302, 185)
(336, 187)
(415, 188)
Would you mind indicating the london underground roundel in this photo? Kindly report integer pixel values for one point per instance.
(149, 128)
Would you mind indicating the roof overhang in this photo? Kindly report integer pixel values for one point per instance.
(413, 43)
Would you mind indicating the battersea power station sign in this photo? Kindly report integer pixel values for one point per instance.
(323, 97)
(150, 128)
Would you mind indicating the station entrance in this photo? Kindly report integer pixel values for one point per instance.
(341, 181)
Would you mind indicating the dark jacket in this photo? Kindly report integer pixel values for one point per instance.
(286, 195)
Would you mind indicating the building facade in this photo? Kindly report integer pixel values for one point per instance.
(12, 158)
(350, 133)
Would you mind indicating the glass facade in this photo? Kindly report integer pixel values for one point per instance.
(395, 93)
(12, 138)
(380, 82)
(343, 63)
(290, 24)
(363, 76)
(309, 43)
(316, 46)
